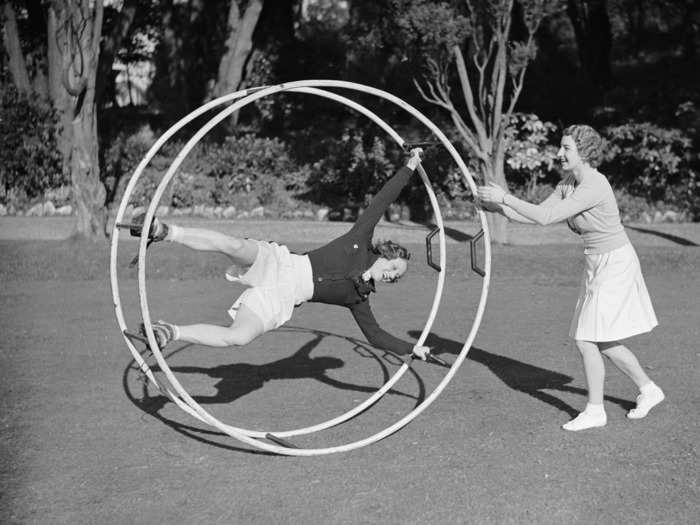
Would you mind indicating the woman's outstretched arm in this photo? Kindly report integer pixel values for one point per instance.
(584, 197)
(512, 215)
(388, 194)
(373, 332)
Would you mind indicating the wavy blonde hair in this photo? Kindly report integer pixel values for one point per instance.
(588, 142)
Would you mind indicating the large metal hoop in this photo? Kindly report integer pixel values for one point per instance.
(298, 86)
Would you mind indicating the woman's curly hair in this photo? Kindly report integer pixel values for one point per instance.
(588, 142)
(391, 250)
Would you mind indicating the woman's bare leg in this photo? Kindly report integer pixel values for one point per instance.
(650, 394)
(241, 251)
(594, 369)
(626, 361)
(246, 327)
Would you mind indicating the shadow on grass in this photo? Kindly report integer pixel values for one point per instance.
(239, 379)
(522, 377)
(669, 237)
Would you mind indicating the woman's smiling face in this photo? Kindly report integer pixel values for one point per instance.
(388, 270)
(568, 154)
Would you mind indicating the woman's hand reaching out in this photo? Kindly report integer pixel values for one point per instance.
(492, 193)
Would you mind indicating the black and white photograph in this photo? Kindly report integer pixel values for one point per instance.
(350, 262)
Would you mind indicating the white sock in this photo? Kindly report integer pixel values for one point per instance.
(648, 388)
(173, 233)
(595, 409)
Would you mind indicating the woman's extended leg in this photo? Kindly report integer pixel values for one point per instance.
(626, 361)
(246, 327)
(650, 394)
(594, 369)
(241, 251)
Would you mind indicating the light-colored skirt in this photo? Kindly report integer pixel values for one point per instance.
(278, 280)
(613, 302)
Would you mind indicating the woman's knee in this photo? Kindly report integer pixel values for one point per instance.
(585, 346)
(238, 336)
(246, 327)
(242, 251)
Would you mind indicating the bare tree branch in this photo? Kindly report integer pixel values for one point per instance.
(518, 84)
(18, 65)
(432, 97)
(502, 68)
(469, 97)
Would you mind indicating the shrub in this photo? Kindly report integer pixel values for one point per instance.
(647, 160)
(687, 196)
(351, 168)
(250, 164)
(30, 162)
(651, 168)
(242, 171)
(530, 152)
(121, 158)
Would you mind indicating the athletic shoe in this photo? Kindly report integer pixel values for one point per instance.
(585, 420)
(650, 396)
(163, 331)
(157, 232)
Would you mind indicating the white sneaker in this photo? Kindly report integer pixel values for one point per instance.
(648, 399)
(585, 420)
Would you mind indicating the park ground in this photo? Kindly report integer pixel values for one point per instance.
(84, 440)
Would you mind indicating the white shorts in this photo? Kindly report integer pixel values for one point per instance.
(613, 301)
(278, 281)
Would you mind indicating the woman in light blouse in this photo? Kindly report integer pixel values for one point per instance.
(613, 302)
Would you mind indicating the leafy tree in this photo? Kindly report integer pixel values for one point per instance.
(74, 31)
(208, 49)
(64, 39)
(490, 81)
(238, 45)
(29, 160)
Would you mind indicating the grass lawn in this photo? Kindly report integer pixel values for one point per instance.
(85, 441)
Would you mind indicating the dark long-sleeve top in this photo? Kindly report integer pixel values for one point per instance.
(338, 266)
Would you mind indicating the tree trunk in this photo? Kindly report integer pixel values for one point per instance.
(497, 223)
(73, 57)
(690, 31)
(57, 94)
(18, 65)
(239, 44)
(110, 44)
(498, 228)
(88, 191)
(594, 39)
